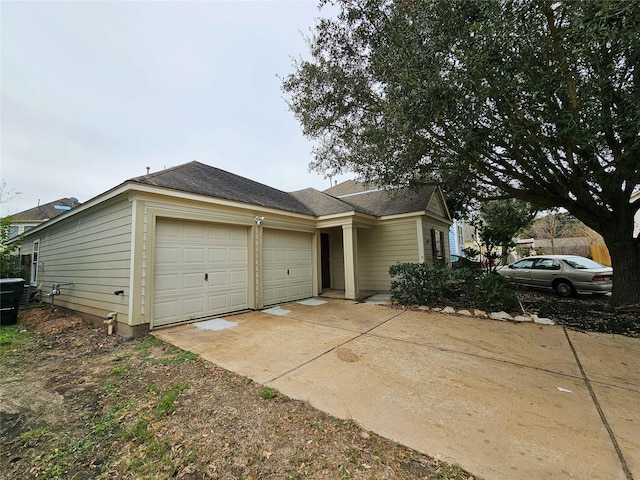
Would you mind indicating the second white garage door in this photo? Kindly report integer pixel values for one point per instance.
(286, 266)
(201, 269)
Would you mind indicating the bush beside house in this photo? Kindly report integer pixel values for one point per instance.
(423, 284)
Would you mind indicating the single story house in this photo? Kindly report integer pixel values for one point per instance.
(194, 241)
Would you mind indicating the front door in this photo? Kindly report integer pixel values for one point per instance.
(325, 261)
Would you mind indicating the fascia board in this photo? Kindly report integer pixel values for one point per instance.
(132, 187)
(403, 215)
(348, 218)
(104, 197)
(421, 213)
(167, 192)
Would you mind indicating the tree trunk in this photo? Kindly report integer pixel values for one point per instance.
(625, 260)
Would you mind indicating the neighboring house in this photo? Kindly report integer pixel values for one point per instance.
(194, 241)
(24, 221)
(456, 239)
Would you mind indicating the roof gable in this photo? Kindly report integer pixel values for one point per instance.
(321, 203)
(198, 178)
(390, 202)
(376, 201)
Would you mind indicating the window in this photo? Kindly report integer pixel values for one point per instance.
(34, 261)
(546, 264)
(13, 231)
(525, 263)
(582, 263)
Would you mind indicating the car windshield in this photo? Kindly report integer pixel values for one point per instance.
(582, 263)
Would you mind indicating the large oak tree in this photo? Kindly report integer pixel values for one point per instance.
(531, 99)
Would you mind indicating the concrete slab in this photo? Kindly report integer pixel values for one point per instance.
(503, 400)
(536, 346)
(215, 324)
(379, 299)
(610, 359)
(352, 316)
(496, 419)
(276, 311)
(261, 346)
(612, 365)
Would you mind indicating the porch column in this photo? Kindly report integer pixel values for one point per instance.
(350, 245)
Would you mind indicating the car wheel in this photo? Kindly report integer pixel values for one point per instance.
(564, 288)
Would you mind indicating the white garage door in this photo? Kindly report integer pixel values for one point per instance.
(286, 266)
(200, 270)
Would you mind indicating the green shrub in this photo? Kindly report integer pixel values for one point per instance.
(418, 283)
(494, 292)
(424, 284)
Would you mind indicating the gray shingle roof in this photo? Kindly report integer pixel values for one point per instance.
(375, 201)
(46, 211)
(388, 202)
(321, 203)
(196, 177)
(347, 187)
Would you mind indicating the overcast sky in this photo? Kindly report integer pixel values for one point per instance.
(94, 92)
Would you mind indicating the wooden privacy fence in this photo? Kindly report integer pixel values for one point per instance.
(600, 254)
(582, 250)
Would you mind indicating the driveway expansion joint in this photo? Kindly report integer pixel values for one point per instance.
(311, 360)
(616, 446)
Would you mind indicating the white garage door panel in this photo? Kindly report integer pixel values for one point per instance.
(184, 253)
(238, 278)
(167, 255)
(193, 255)
(286, 266)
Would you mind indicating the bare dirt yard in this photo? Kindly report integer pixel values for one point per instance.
(78, 404)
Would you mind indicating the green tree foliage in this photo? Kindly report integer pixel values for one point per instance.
(9, 263)
(537, 100)
(498, 223)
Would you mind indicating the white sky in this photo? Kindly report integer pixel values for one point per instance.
(94, 92)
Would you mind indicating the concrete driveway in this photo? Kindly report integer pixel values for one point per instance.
(503, 400)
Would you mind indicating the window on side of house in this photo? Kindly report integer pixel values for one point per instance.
(35, 254)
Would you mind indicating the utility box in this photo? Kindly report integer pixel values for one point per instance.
(10, 293)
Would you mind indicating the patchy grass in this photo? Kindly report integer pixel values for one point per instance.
(115, 409)
(14, 336)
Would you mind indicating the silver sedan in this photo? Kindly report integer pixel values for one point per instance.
(566, 274)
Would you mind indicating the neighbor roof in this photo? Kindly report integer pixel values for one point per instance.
(44, 212)
(196, 177)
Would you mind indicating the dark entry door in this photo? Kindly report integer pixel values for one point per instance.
(324, 260)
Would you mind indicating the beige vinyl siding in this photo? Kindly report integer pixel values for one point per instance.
(92, 250)
(436, 207)
(380, 247)
(427, 225)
